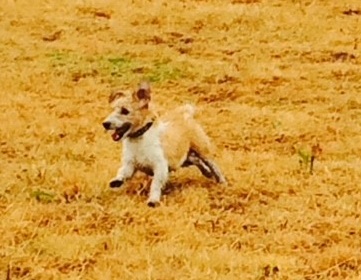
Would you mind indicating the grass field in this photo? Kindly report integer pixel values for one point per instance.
(276, 83)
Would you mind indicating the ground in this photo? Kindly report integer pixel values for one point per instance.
(276, 84)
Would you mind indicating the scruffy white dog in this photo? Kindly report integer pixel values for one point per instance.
(155, 145)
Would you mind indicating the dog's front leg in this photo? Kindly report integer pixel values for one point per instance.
(125, 172)
(159, 179)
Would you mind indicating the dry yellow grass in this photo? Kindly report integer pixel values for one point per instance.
(272, 80)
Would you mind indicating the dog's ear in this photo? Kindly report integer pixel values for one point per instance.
(143, 91)
(115, 95)
(143, 94)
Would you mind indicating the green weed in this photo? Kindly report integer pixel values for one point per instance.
(42, 196)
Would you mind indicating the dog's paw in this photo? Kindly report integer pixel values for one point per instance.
(223, 181)
(116, 183)
(220, 179)
(153, 204)
(224, 184)
(154, 198)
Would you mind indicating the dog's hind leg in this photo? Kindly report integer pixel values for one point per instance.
(206, 166)
(215, 171)
(193, 159)
(201, 148)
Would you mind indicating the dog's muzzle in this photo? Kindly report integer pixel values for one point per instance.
(119, 131)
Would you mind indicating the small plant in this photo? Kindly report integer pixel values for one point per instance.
(307, 157)
(268, 271)
(42, 196)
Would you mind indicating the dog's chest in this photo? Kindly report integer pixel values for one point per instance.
(145, 151)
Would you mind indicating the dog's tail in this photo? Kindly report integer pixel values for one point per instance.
(188, 111)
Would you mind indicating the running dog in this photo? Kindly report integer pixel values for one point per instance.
(157, 146)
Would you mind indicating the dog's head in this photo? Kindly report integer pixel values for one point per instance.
(130, 111)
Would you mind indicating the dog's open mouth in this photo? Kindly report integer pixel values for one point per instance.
(120, 131)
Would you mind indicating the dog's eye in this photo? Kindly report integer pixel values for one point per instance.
(124, 111)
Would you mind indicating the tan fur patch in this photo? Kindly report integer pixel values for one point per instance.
(115, 95)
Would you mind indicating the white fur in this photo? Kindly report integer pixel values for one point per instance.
(146, 152)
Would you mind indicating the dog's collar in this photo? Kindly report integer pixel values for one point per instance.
(140, 131)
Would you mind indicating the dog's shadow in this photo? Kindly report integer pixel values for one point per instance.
(175, 186)
(141, 184)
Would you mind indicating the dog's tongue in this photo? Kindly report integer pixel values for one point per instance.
(115, 136)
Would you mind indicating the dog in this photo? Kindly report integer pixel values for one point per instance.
(157, 145)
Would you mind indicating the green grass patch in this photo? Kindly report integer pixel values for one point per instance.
(162, 71)
(113, 68)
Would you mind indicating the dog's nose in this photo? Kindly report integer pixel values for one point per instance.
(106, 125)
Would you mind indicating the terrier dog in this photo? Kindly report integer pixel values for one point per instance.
(157, 146)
